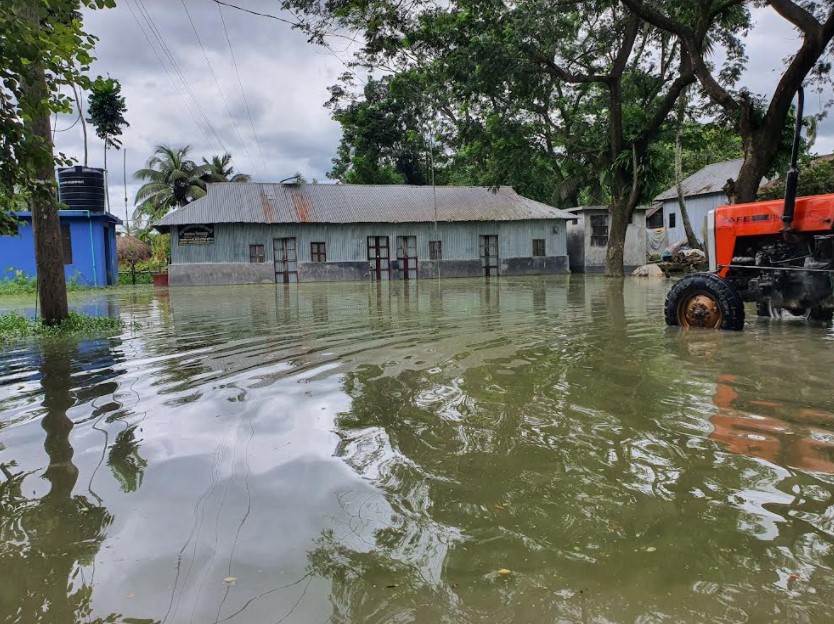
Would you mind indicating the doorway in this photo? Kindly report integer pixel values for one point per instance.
(379, 257)
(108, 259)
(489, 255)
(407, 257)
(286, 260)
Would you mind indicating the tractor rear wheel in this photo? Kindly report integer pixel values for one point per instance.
(704, 300)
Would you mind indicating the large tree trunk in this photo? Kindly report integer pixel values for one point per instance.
(693, 241)
(49, 257)
(615, 254)
(757, 158)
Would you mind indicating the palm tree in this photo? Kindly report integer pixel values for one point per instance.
(172, 180)
(219, 169)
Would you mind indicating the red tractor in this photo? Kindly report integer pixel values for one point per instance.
(777, 254)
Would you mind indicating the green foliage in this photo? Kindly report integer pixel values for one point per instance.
(39, 41)
(14, 326)
(172, 180)
(15, 282)
(815, 178)
(219, 169)
(143, 276)
(107, 109)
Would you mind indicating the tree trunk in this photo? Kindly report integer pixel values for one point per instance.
(752, 171)
(49, 257)
(687, 225)
(615, 254)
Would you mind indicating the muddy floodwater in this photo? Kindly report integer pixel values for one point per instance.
(515, 450)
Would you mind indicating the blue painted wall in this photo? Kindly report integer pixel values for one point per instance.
(94, 259)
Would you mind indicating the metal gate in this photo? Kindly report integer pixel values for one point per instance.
(407, 257)
(379, 257)
(286, 260)
(489, 255)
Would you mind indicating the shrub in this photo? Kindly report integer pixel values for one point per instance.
(14, 325)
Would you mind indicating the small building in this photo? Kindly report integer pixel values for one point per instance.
(88, 246)
(588, 239)
(267, 233)
(703, 192)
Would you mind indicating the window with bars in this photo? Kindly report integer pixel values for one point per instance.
(318, 252)
(538, 248)
(257, 254)
(66, 242)
(435, 250)
(599, 230)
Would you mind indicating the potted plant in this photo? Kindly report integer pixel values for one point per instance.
(160, 246)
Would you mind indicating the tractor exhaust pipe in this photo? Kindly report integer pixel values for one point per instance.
(793, 174)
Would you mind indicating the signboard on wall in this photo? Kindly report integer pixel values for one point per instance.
(195, 234)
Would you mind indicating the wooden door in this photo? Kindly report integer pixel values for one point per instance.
(286, 260)
(489, 255)
(407, 257)
(379, 257)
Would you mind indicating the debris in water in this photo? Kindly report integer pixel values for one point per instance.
(651, 549)
(505, 572)
(230, 580)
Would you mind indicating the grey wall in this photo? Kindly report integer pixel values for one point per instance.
(348, 243)
(226, 261)
(585, 257)
(697, 208)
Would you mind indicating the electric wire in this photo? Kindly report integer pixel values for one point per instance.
(167, 72)
(219, 88)
(172, 60)
(243, 91)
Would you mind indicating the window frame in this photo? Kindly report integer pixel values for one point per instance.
(597, 223)
(318, 252)
(257, 253)
(66, 243)
(436, 250)
(673, 220)
(541, 244)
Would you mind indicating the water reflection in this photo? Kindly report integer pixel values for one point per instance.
(378, 452)
(50, 540)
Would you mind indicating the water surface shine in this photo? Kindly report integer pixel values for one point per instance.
(377, 453)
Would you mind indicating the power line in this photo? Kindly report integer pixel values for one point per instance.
(186, 85)
(242, 91)
(168, 73)
(219, 88)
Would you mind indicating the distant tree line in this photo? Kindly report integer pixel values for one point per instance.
(569, 102)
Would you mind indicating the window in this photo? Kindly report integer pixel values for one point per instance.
(66, 241)
(435, 250)
(599, 230)
(672, 220)
(318, 252)
(538, 248)
(256, 254)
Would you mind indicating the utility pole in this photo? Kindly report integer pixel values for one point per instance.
(124, 174)
(49, 257)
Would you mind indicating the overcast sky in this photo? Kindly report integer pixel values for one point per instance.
(284, 80)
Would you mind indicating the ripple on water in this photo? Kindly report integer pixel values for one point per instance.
(360, 452)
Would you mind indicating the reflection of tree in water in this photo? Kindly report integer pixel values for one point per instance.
(47, 542)
(563, 462)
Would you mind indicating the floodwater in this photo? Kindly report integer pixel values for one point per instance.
(515, 450)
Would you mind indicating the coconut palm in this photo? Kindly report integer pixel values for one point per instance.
(172, 180)
(219, 169)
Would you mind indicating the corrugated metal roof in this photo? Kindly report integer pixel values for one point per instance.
(345, 203)
(710, 179)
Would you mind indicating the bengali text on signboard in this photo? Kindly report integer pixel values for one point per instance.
(195, 235)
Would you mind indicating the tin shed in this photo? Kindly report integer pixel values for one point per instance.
(253, 233)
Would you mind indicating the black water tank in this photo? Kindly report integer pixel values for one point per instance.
(82, 188)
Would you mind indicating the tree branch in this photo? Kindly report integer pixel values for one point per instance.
(796, 15)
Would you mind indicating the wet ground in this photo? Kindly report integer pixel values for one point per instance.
(518, 450)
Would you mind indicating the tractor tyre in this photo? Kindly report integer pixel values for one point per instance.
(704, 300)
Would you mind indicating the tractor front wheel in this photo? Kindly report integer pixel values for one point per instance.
(704, 300)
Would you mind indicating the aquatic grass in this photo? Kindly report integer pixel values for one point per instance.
(14, 326)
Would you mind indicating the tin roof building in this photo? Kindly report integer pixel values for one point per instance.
(256, 233)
